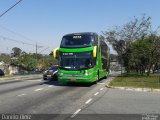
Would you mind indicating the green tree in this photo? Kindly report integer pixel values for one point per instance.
(46, 62)
(5, 58)
(28, 62)
(16, 52)
(146, 53)
(130, 32)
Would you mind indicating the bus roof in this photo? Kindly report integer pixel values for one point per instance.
(82, 33)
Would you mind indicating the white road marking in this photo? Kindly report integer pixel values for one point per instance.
(76, 113)
(96, 93)
(101, 83)
(21, 95)
(101, 88)
(34, 80)
(138, 89)
(88, 101)
(129, 89)
(38, 89)
(50, 86)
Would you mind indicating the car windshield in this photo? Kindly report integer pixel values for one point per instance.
(53, 68)
(76, 61)
(76, 41)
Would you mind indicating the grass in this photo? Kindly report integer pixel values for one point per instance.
(137, 81)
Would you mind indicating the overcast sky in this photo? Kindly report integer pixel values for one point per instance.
(46, 21)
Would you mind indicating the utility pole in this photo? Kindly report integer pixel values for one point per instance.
(36, 50)
(121, 43)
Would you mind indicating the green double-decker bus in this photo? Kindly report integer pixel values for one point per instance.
(82, 57)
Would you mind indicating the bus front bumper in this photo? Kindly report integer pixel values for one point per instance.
(85, 79)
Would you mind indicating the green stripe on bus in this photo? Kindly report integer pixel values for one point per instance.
(76, 49)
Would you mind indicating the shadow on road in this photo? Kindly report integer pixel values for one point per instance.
(56, 83)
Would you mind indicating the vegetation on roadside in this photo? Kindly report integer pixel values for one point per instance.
(137, 45)
(137, 81)
(27, 61)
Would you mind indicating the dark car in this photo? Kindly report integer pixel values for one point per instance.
(51, 73)
(1, 73)
(21, 72)
(157, 71)
(36, 72)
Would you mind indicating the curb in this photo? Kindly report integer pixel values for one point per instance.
(134, 89)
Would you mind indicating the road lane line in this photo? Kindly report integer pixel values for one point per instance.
(88, 101)
(38, 89)
(76, 113)
(101, 88)
(96, 93)
(101, 83)
(34, 80)
(50, 86)
(21, 95)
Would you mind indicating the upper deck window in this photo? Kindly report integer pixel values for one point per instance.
(77, 41)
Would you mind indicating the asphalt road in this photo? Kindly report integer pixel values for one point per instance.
(53, 100)
(41, 97)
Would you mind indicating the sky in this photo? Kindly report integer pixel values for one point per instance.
(45, 21)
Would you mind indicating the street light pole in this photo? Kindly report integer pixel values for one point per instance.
(36, 50)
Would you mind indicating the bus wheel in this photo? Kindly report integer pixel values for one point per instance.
(97, 78)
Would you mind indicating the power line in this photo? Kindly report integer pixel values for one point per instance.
(17, 41)
(10, 8)
(43, 50)
(24, 43)
(13, 40)
(21, 35)
(15, 33)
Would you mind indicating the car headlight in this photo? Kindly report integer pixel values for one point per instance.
(54, 72)
(45, 72)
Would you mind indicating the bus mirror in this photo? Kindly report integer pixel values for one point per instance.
(55, 53)
(94, 51)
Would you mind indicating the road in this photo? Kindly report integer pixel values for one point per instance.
(40, 97)
(62, 101)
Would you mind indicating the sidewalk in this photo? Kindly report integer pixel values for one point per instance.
(20, 77)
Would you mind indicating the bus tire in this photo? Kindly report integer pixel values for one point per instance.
(97, 78)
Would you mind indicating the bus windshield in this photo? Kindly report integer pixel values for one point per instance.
(77, 41)
(76, 61)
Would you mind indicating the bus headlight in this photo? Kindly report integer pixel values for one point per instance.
(86, 73)
(61, 74)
